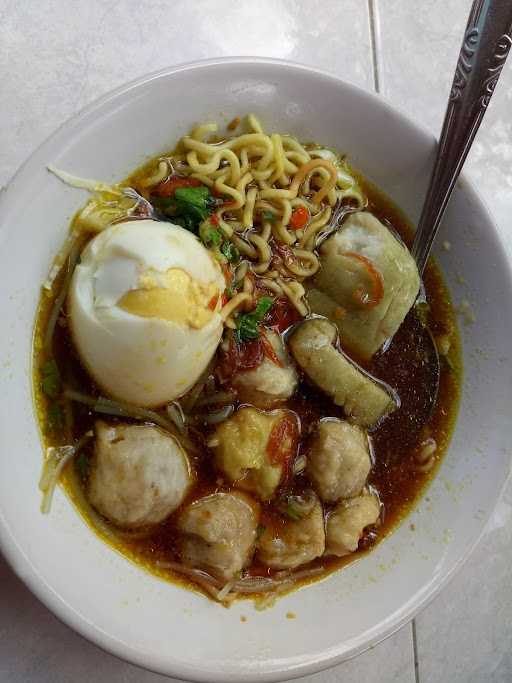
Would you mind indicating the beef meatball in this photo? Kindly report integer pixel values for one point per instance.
(347, 522)
(219, 533)
(139, 474)
(339, 460)
(298, 540)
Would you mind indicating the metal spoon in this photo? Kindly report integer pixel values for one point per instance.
(486, 44)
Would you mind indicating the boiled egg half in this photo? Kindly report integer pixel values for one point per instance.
(144, 308)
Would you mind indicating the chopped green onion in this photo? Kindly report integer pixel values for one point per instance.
(188, 207)
(210, 237)
(247, 327)
(263, 306)
(229, 250)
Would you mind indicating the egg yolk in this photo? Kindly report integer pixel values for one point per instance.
(173, 295)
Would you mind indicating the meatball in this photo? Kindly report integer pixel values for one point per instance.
(339, 460)
(272, 381)
(252, 447)
(139, 474)
(364, 400)
(219, 533)
(296, 541)
(347, 522)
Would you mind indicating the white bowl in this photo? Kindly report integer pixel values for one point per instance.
(115, 603)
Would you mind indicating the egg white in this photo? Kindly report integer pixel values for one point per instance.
(146, 361)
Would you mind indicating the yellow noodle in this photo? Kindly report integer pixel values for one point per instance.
(247, 219)
(207, 167)
(160, 174)
(291, 193)
(266, 231)
(226, 228)
(272, 285)
(293, 296)
(278, 157)
(271, 174)
(222, 188)
(311, 231)
(241, 271)
(299, 266)
(300, 153)
(200, 132)
(244, 248)
(282, 234)
(254, 123)
(265, 174)
(261, 268)
(233, 304)
(248, 286)
(203, 178)
(264, 251)
(244, 159)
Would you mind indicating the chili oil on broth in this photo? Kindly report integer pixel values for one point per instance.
(395, 474)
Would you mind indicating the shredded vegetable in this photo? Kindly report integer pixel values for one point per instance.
(247, 585)
(83, 183)
(56, 460)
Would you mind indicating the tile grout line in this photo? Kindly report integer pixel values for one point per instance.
(374, 43)
(415, 652)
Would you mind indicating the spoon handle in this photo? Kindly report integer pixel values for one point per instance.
(487, 41)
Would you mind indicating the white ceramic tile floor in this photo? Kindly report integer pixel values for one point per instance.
(56, 56)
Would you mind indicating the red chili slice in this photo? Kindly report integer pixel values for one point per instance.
(299, 218)
(371, 299)
(268, 350)
(282, 440)
(213, 302)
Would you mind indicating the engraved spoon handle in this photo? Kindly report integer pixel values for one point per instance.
(485, 47)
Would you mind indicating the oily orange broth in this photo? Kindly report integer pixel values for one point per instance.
(395, 474)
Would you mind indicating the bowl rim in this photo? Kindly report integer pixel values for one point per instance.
(14, 554)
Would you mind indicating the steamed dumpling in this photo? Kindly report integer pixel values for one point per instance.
(252, 448)
(367, 283)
